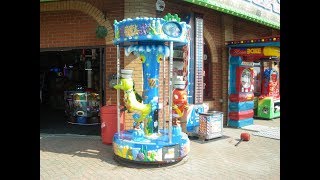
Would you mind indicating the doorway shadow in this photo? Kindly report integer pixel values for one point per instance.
(54, 121)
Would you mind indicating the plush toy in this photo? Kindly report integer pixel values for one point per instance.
(180, 102)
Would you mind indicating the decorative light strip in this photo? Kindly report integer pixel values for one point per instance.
(235, 12)
(47, 0)
(261, 40)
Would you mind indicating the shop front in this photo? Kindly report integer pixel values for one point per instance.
(70, 85)
(254, 80)
(75, 49)
(81, 25)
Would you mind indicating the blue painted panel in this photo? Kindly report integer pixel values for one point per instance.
(241, 106)
(193, 119)
(235, 60)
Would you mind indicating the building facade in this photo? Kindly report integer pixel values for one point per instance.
(74, 24)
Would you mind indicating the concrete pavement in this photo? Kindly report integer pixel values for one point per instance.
(85, 157)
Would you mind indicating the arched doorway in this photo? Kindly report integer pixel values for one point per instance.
(68, 45)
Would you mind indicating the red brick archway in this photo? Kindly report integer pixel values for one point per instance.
(73, 12)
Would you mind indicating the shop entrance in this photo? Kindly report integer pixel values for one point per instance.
(67, 74)
(254, 83)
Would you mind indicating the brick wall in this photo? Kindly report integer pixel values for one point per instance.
(67, 29)
(244, 29)
(99, 11)
(139, 8)
(227, 34)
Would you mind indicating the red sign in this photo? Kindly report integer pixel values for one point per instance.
(252, 58)
(246, 52)
(238, 52)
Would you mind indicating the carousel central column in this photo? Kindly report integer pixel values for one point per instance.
(151, 55)
(150, 89)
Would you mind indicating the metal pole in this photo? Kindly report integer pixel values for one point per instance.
(118, 91)
(170, 91)
(89, 77)
(164, 94)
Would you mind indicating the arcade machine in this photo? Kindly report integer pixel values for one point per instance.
(269, 101)
(82, 107)
(243, 55)
(152, 40)
(82, 104)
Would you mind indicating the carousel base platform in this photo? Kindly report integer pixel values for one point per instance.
(142, 164)
(134, 146)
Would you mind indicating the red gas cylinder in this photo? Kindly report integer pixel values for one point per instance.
(108, 117)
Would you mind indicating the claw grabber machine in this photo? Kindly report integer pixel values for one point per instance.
(269, 101)
(249, 60)
(152, 40)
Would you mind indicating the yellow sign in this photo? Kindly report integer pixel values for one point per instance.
(254, 51)
(271, 51)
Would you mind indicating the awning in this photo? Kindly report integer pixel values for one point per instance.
(262, 12)
(253, 49)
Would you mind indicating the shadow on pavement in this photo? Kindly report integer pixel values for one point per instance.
(59, 136)
(81, 146)
(92, 147)
(200, 141)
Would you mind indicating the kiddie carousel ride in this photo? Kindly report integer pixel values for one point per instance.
(152, 41)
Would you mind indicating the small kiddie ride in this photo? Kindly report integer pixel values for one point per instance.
(152, 41)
